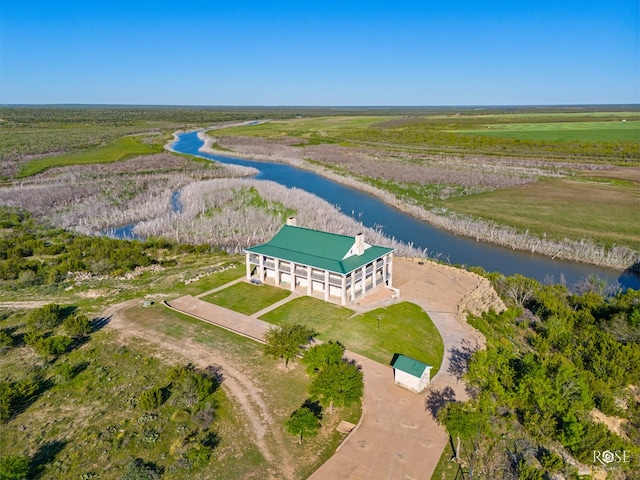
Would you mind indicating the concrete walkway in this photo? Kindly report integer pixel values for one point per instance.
(222, 317)
(396, 437)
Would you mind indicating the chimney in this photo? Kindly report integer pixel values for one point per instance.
(359, 245)
(291, 221)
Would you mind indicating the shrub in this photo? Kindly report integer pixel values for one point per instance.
(77, 325)
(46, 317)
(151, 398)
(6, 341)
(14, 467)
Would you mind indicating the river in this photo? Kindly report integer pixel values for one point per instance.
(373, 212)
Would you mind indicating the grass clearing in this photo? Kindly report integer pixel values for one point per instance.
(379, 334)
(212, 281)
(563, 208)
(120, 149)
(610, 131)
(247, 298)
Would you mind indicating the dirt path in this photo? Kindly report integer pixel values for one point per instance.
(236, 384)
(397, 436)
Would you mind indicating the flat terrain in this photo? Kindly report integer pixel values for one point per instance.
(607, 211)
(622, 130)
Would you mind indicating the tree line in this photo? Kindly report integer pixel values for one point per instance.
(555, 362)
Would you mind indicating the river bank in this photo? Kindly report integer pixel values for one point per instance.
(584, 250)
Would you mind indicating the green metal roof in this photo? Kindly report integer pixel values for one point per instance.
(317, 249)
(409, 365)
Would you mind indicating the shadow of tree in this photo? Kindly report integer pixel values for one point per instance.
(314, 406)
(438, 399)
(459, 358)
(215, 374)
(44, 455)
(99, 323)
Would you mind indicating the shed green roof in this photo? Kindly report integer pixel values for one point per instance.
(409, 365)
(317, 249)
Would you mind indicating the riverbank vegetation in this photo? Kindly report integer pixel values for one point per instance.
(445, 166)
(558, 381)
(439, 169)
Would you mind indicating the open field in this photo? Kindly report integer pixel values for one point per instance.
(556, 208)
(623, 131)
(377, 334)
(119, 149)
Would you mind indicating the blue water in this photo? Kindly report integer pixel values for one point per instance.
(455, 249)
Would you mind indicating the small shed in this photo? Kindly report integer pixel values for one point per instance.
(410, 373)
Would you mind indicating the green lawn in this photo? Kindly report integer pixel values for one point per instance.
(247, 298)
(563, 208)
(613, 131)
(120, 149)
(402, 328)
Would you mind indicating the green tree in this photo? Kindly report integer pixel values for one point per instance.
(319, 356)
(14, 467)
(303, 422)
(287, 341)
(341, 383)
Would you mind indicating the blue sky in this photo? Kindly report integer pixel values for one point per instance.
(447, 52)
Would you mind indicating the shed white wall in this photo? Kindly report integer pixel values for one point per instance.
(411, 382)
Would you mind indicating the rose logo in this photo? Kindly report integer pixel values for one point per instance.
(607, 456)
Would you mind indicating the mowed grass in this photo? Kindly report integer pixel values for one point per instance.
(120, 149)
(247, 298)
(563, 208)
(618, 131)
(379, 334)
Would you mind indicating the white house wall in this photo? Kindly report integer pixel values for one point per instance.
(374, 274)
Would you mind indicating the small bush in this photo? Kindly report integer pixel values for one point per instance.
(14, 467)
(6, 341)
(151, 398)
(77, 325)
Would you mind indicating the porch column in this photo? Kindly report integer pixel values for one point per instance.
(326, 285)
(276, 265)
(343, 292)
(390, 270)
(374, 274)
(261, 267)
(248, 256)
(353, 285)
(309, 280)
(293, 276)
(364, 276)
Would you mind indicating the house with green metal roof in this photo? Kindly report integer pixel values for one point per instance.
(410, 373)
(340, 267)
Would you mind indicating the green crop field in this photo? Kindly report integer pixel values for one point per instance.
(618, 131)
(120, 149)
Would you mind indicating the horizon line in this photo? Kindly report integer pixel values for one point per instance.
(475, 106)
